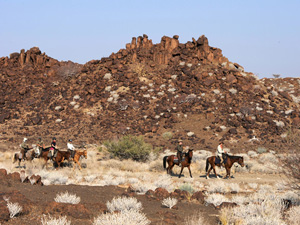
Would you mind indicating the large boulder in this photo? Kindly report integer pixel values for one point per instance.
(161, 193)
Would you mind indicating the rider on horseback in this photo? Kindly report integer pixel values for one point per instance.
(24, 149)
(71, 148)
(53, 148)
(40, 145)
(220, 152)
(179, 149)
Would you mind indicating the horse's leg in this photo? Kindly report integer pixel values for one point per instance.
(62, 160)
(190, 171)
(80, 168)
(78, 163)
(46, 163)
(214, 168)
(227, 172)
(168, 168)
(171, 169)
(208, 171)
(57, 162)
(75, 162)
(181, 170)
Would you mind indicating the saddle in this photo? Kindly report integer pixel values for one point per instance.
(218, 160)
(176, 159)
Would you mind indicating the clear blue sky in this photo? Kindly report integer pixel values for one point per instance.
(262, 36)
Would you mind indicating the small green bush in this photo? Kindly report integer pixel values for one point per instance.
(167, 135)
(129, 147)
(261, 150)
(187, 187)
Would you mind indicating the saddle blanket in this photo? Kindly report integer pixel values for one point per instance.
(218, 161)
(176, 159)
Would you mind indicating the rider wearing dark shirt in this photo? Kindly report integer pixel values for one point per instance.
(53, 147)
(179, 149)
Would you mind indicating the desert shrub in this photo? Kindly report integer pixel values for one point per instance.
(252, 154)
(67, 198)
(13, 208)
(261, 150)
(216, 199)
(268, 157)
(124, 204)
(90, 178)
(217, 187)
(291, 168)
(253, 185)
(169, 202)
(196, 219)
(128, 217)
(187, 187)
(167, 135)
(240, 200)
(293, 215)
(143, 187)
(292, 135)
(264, 211)
(49, 220)
(234, 187)
(292, 196)
(164, 181)
(129, 147)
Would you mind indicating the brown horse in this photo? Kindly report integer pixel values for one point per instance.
(229, 162)
(44, 154)
(29, 156)
(185, 163)
(77, 157)
(61, 156)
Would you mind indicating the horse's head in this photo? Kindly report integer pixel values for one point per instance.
(190, 152)
(85, 154)
(241, 161)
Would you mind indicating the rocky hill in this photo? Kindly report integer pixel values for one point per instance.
(163, 91)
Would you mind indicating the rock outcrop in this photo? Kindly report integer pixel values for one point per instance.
(145, 89)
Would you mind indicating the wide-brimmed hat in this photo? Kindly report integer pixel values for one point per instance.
(179, 140)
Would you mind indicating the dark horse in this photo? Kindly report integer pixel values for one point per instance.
(44, 154)
(185, 163)
(61, 156)
(229, 162)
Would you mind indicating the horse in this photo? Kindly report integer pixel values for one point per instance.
(44, 154)
(228, 164)
(61, 156)
(29, 155)
(185, 163)
(77, 156)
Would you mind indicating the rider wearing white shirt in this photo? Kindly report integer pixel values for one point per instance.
(71, 148)
(220, 151)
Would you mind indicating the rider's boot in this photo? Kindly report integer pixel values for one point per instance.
(222, 162)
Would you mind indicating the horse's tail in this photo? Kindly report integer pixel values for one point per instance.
(165, 162)
(207, 164)
(14, 157)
